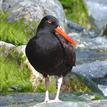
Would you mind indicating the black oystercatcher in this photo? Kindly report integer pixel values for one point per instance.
(51, 52)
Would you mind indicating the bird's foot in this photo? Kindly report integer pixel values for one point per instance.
(46, 101)
(55, 101)
(51, 101)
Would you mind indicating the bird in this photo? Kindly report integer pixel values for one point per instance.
(51, 52)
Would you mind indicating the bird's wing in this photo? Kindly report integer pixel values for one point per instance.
(69, 51)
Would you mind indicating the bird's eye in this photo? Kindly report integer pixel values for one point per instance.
(49, 21)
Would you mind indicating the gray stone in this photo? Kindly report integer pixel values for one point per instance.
(103, 88)
(105, 30)
(64, 104)
(89, 40)
(95, 69)
(97, 10)
(75, 104)
(91, 64)
(74, 27)
(36, 99)
(7, 45)
(34, 9)
(7, 48)
(1, 4)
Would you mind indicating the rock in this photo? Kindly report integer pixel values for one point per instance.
(88, 40)
(74, 27)
(14, 89)
(64, 104)
(99, 103)
(105, 30)
(21, 49)
(91, 63)
(89, 48)
(35, 99)
(75, 104)
(97, 10)
(18, 54)
(101, 80)
(5, 48)
(91, 53)
(34, 10)
(103, 88)
(36, 77)
(7, 45)
(95, 69)
(1, 4)
(89, 72)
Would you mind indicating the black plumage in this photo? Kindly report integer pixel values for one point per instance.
(49, 52)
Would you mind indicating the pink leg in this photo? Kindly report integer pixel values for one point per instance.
(59, 83)
(46, 93)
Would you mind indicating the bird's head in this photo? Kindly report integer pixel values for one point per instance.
(51, 23)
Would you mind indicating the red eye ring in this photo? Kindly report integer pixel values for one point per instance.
(49, 21)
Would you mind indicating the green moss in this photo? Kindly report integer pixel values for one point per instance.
(16, 32)
(13, 75)
(76, 11)
(75, 85)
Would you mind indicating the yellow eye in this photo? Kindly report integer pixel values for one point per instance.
(49, 21)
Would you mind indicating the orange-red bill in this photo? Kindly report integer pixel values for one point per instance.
(62, 33)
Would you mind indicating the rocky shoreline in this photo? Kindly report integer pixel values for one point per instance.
(91, 65)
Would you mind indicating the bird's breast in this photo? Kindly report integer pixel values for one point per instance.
(45, 51)
(47, 45)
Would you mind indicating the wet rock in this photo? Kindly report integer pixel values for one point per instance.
(75, 104)
(99, 104)
(34, 10)
(35, 99)
(64, 104)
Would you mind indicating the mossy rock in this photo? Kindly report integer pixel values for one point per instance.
(14, 74)
(16, 32)
(76, 11)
